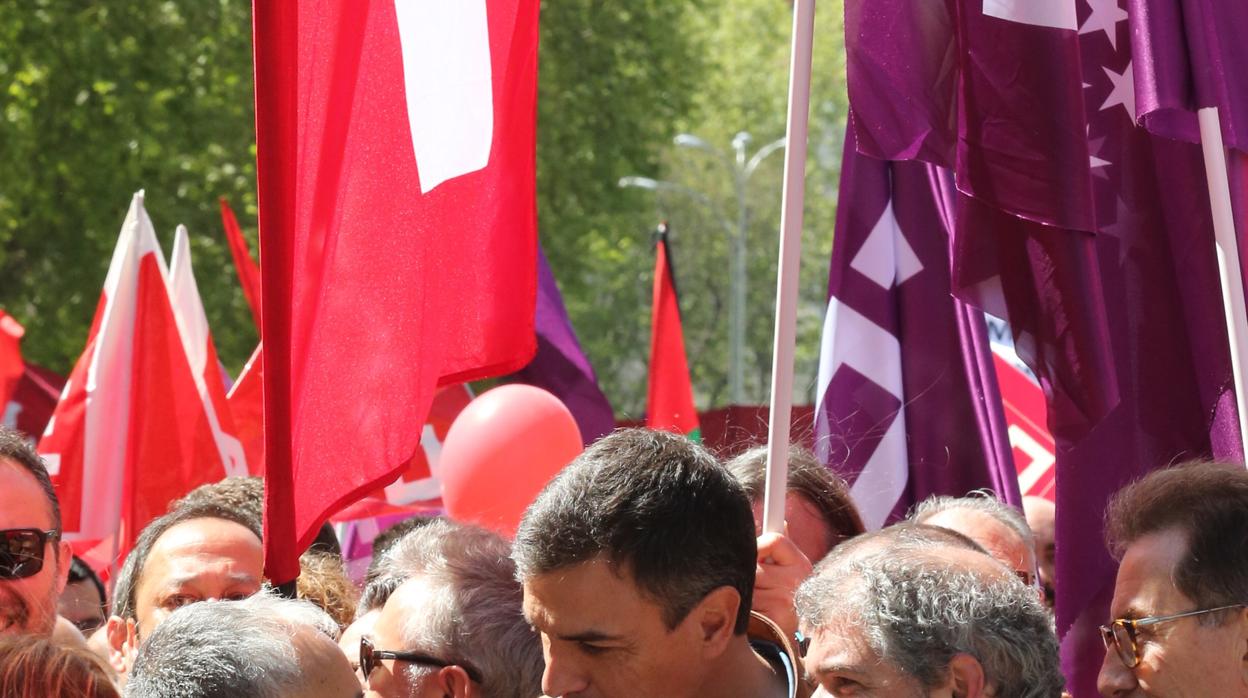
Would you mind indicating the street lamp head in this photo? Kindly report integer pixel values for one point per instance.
(639, 182)
(688, 140)
(741, 139)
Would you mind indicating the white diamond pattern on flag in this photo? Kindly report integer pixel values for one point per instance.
(874, 353)
(449, 86)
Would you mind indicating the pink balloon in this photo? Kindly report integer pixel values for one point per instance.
(501, 451)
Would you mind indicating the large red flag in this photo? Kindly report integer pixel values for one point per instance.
(131, 431)
(395, 165)
(11, 365)
(669, 398)
(244, 264)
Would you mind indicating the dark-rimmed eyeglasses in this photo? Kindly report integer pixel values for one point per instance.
(1122, 634)
(21, 551)
(370, 657)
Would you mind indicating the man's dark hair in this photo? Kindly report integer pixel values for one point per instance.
(1208, 504)
(809, 478)
(132, 571)
(378, 584)
(80, 571)
(15, 447)
(245, 495)
(654, 505)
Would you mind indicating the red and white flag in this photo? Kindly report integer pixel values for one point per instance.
(395, 163)
(131, 431)
(246, 400)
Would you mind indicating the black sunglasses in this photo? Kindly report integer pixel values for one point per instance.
(370, 657)
(21, 551)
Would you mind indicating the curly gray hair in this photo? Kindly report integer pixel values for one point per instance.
(918, 609)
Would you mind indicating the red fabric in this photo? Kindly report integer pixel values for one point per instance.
(1032, 444)
(729, 431)
(246, 400)
(375, 291)
(34, 399)
(669, 400)
(11, 365)
(244, 264)
(136, 436)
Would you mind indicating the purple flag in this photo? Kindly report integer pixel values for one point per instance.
(956, 83)
(560, 366)
(903, 365)
(1188, 54)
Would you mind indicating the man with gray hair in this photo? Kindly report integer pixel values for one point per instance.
(263, 647)
(1000, 528)
(453, 626)
(926, 620)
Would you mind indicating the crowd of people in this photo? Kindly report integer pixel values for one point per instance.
(640, 570)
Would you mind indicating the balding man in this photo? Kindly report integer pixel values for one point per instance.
(197, 552)
(996, 526)
(1042, 519)
(34, 561)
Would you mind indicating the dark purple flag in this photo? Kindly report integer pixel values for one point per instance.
(560, 366)
(903, 365)
(1189, 54)
(957, 83)
(1123, 327)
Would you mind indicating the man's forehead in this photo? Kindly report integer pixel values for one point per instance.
(571, 599)
(24, 500)
(1145, 583)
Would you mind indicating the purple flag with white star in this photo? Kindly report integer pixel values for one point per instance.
(1121, 320)
(904, 365)
(956, 83)
(560, 366)
(1195, 55)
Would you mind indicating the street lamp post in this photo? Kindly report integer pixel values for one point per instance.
(741, 169)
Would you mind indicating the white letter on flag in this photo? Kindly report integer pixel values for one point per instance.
(450, 90)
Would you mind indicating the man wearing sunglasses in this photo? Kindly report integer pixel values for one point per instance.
(1179, 616)
(34, 561)
(453, 627)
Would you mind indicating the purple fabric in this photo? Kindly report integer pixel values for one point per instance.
(939, 81)
(1123, 327)
(889, 283)
(560, 366)
(1191, 54)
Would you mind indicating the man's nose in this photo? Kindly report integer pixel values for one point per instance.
(1115, 678)
(562, 677)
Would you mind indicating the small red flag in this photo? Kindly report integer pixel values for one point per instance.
(244, 264)
(669, 401)
(395, 162)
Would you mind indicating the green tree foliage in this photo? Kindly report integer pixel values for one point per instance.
(98, 100)
(742, 86)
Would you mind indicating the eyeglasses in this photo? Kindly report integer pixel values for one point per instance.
(370, 657)
(1121, 635)
(21, 551)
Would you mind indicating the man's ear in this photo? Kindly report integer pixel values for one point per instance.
(715, 618)
(966, 676)
(64, 558)
(453, 682)
(116, 635)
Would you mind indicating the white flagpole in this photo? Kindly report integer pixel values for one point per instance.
(1228, 257)
(793, 199)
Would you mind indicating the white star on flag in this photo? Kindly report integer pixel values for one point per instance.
(1123, 92)
(1106, 14)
